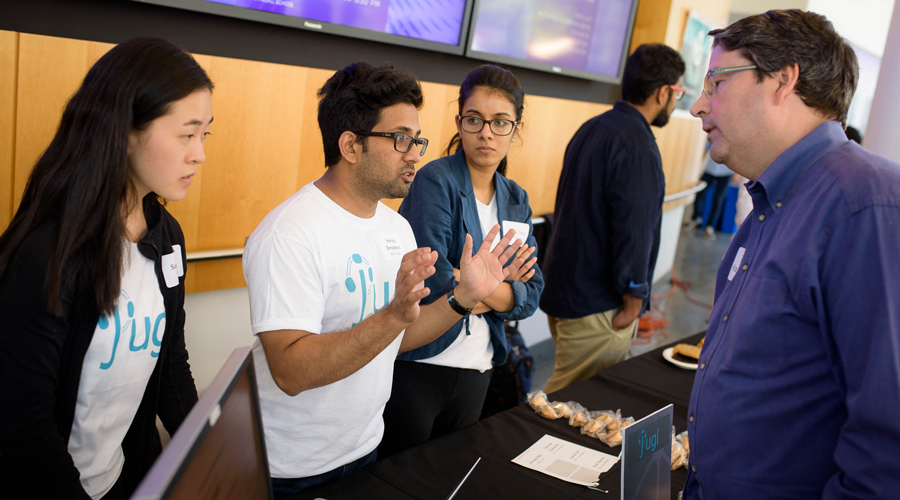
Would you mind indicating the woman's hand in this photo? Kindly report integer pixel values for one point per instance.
(524, 272)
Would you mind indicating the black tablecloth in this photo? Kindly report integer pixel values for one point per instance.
(638, 387)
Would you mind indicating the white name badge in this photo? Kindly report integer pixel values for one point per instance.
(521, 229)
(738, 258)
(390, 247)
(173, 266)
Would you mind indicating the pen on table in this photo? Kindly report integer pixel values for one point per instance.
(458, 486)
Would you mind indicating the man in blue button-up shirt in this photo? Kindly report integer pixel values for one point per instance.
(797, 393)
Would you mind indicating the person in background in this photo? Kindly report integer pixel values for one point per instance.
(804, 335)
(602, 252)
(717, 178)
(92, 281)
(465, 192)
(853, 134)
(335, 281)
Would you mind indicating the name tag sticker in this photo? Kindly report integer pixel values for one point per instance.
(738, 258)
(390, 247)
(521, 229)
(173, 266)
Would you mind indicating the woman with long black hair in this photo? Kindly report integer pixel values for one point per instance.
(92, 281)
(441, 386)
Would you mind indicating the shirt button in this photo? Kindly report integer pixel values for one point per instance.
(703, 366)
(762, 217)
(691, 418)
(777, 204)
(694, 469)
(724, 318)
(745, 267)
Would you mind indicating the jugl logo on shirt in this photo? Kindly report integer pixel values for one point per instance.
(359, 267)
(104, 323)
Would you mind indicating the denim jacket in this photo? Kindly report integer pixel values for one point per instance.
(441, 209)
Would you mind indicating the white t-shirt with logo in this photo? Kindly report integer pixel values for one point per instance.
(116, 370)
(473, 351)
(313, 266)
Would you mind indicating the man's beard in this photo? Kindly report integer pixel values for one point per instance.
(371, 177)
(663, 117)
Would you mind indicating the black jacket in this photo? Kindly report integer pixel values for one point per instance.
(608, 217)
(41, 357)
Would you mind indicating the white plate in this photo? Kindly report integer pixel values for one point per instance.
(681, 364)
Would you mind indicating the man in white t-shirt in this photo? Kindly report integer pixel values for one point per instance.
(335, 280)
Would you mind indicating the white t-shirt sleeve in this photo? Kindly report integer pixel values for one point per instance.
(285, 286)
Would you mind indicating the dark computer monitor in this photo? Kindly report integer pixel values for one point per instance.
(219, 451)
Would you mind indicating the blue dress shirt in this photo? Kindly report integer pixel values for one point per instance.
(797, 394)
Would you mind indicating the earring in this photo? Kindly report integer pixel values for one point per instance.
(514, 139)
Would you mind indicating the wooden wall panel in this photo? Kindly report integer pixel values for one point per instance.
(187, 210)
(50, 70)
(312, 157)
(8, 60)
(650, 23)
(214, 275)
(253, 152)
(266, 142)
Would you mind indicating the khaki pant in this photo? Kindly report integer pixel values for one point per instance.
(585, 346)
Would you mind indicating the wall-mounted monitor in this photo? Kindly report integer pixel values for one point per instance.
(439, 25)
(581, 38)
(219, 452)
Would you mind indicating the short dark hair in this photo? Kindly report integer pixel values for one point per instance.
(352, 99)
(648, 68)
(829, 71)
(496, 79)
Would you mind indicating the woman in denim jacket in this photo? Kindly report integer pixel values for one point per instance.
(441, 386)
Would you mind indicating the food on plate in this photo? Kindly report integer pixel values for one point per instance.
(687, 350)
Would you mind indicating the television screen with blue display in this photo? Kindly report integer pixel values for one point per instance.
(583, 38)
(428, 24)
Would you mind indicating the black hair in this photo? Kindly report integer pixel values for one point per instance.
(352, 99)
(496, 79)
(648, 68)
(82, 183)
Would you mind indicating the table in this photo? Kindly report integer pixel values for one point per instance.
(432, 470)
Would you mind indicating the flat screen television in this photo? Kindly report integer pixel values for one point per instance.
(219, 452)
(581, 38)
(439, 25)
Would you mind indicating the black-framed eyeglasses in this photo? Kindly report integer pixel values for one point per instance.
(402, 142)
(474, 124)
(710, 84)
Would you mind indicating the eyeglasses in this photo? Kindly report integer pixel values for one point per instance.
(709, 84)
(474, 124)
(679, 92)
(402, 142)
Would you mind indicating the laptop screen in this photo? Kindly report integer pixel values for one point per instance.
(219, 450)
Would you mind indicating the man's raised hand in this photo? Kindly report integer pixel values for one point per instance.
(409, 288)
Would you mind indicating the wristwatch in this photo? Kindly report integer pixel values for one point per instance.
(455, 305)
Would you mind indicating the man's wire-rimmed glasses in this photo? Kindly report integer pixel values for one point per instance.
(402, 142)
(709, 83)
(474, 124)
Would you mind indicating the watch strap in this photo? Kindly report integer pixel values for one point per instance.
(455, 305)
